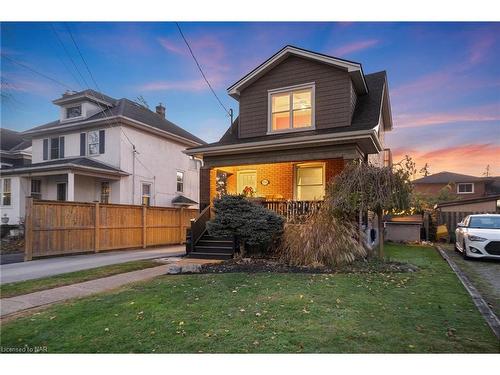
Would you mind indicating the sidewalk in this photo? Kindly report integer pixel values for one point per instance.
(36, 269)
(18, 304)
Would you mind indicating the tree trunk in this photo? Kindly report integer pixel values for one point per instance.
(380, 248)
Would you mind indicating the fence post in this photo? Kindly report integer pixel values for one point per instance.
(144, 239)
(97, 224)
(181, 224)
(28, 230)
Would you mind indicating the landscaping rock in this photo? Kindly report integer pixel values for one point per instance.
(191, 268)
(173, 269)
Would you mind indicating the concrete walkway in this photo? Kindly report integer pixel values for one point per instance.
(18, 304)
(36, 269)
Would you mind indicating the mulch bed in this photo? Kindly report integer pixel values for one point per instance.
(255, 265)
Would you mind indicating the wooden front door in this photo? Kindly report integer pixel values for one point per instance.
(246, 178)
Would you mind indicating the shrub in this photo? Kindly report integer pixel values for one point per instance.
(249, 222)
(323, 240)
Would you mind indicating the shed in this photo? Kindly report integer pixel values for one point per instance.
(403, 228)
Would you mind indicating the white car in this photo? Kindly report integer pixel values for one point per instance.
(478, 236)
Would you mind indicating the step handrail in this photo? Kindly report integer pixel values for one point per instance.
(199, 225)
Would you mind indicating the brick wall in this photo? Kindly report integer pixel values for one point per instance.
(280, 176)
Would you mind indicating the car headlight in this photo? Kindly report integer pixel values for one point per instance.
(476, 238)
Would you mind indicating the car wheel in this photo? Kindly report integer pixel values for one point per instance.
(464, 251)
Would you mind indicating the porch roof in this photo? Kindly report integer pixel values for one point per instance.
(78, 163)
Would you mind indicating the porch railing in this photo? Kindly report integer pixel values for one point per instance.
(198, 226)
(293, 211)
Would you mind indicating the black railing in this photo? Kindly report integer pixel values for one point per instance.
(198, 227)
(293, 211)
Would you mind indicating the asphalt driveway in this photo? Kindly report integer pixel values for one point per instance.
(484, 275)
(36, 269)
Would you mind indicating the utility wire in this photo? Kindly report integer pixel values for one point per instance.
(61, 43)
(35, 71)
(201, 70)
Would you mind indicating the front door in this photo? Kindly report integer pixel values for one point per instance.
(246, 178)
(61, 191)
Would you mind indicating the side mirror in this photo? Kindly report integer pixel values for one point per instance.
(460, 225)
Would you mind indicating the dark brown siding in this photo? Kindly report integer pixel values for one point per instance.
(333, 95)
(354, 99)
(204, 187)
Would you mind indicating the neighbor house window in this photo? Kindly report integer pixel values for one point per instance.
(465, 188)
(75, 111)
(180, 181)
(309, 182)
(57, 148)
(93, 142)
(61, 191)
(291, 109)
(36, 189)
(6, 192)
(105, 190)
(146, 194)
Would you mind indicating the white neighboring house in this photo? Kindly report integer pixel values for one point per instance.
(107, 150)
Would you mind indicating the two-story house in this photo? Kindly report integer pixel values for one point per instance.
(302, 117)
(461, 186)
(108, 150)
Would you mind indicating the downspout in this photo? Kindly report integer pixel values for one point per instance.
(133, 173)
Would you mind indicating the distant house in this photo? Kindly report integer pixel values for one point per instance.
(14, 153)
(461, 185)
(107, 150)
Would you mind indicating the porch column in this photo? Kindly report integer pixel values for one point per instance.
(71, 187)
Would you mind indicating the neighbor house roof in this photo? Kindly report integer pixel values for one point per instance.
(366, 117)
(354, 69)
(121, 108)
(181, 200)
(10, 140)
(460, 202)
(447, 177)
(68, 163)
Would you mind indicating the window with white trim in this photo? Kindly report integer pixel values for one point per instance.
(75, 111)
(309, 182)
(93, 142)
(465, 188)
(146, 194)
(291, 109)
(105, 191)
(6, 192)
(36, 189)
(180, 181)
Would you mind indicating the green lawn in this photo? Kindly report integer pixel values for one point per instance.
(425, 311)
(35, 285)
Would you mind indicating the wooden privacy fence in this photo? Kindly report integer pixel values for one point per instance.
(56, 228)
(451, 219)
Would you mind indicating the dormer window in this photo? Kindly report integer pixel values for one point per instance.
(291, 108)
(75, 111)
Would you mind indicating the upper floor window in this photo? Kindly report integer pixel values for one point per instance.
(75, 111)
(180, 181)
(465, 188)
(6, 192)
(291, 108)
(93, 142)
(56, 148)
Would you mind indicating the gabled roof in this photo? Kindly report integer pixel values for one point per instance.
(354, 69)
(366, 117)
(181, 200)
(447, 177)
(10, 140)
(67, 163)
(122, 108)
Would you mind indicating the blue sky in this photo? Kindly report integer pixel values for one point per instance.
(444, 78)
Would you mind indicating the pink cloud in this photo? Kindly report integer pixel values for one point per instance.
(469, 159)
(355, 47)
(188, 85)
(489, 112)
(481, 48)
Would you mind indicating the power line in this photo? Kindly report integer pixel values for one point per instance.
(70, 58)
(201, 70)
(35, 71)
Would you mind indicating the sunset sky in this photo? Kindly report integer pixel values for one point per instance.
(444, 78)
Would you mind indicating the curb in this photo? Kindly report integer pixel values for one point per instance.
(478, 300)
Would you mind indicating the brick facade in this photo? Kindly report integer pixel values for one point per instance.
(279, 175)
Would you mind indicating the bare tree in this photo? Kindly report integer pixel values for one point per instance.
(486, 172)
(425, 170)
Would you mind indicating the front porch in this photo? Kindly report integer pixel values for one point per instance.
(292, 189)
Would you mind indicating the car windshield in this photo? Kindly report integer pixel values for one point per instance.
(487, 222)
